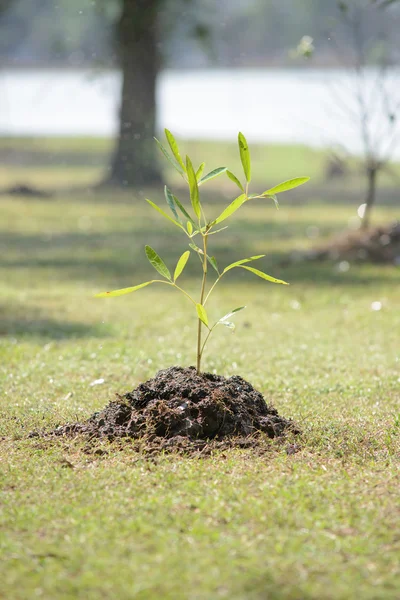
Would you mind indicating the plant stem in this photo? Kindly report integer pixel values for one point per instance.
(205, 341)
(173, 284)
(212, 287)
(203, 289)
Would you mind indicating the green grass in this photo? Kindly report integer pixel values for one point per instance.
(61, 162)
(319, 524)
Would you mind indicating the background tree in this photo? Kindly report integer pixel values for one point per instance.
(373, 103)
(136, 35)
(142, 36)
(139, 30)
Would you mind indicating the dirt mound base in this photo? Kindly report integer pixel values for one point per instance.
(179, 409)
(377, 245)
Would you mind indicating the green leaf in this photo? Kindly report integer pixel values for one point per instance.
(201, 312)
(233, 207)
(275, 199)
(189, 228)
(174, 147)
(213, 263)
(241, 262)
(233, 178)
(217, 230)
(184, 211)
(196, 248)
(164, 214)
(200, 170)
(173, 162)
(229, 324)
(170, 198)
(286, 185)
(123, 291)
(245, 156)
(181, 264)
(263, 275)
(235, 310)
(157, 262)
(194, 190)
(212, 174)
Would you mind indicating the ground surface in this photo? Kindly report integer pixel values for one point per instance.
(319, 523)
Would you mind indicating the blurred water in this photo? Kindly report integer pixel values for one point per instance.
(313, 107)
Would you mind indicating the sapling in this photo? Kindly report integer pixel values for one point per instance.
(195, 223)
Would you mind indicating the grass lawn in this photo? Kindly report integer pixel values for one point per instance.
(318, 524)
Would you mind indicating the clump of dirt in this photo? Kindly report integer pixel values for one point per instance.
(180, 409)
(378, 245)
(26, 191)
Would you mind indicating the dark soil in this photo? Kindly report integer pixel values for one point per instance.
(377, 245)
(26, 191)
(181, 410)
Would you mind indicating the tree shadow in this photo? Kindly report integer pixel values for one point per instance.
(80, 256)
(31, 322)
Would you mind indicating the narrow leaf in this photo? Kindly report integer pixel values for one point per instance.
(189, 228)
(286, 185)
(201, 313)
(213, 263)
(170, 198)
(200, 170)
(233, 178)
(183, 210)
(173, 162)
(196, 248)
(174, 147)
(198, 251)
(194, 190)
(241, 262)
(275, 199)
(181, 264)
(263, 275)
(164, 214)
(218, 230)
(212, 174)
(233, 207)
(228, 324)
(245, 156)
(157, 262)
(235, 310)
(123, 291)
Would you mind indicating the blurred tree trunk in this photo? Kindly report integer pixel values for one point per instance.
(134, 161)
(372, 175)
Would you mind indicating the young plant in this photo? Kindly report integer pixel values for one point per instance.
(195, 223)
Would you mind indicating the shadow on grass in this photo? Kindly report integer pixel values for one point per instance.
(117, 259)
(30, 322)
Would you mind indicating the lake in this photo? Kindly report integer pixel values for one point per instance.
(270, 105)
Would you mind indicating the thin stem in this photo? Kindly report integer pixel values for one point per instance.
(183, 292)
(206, 340)
(211, 288)
(203, 288)
(178, 288)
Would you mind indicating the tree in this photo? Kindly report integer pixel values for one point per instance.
(374, 105)
(134, 161)
(138, 33)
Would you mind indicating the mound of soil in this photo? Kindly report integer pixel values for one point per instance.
(180, 409)
(378, 245)
(26, 191)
